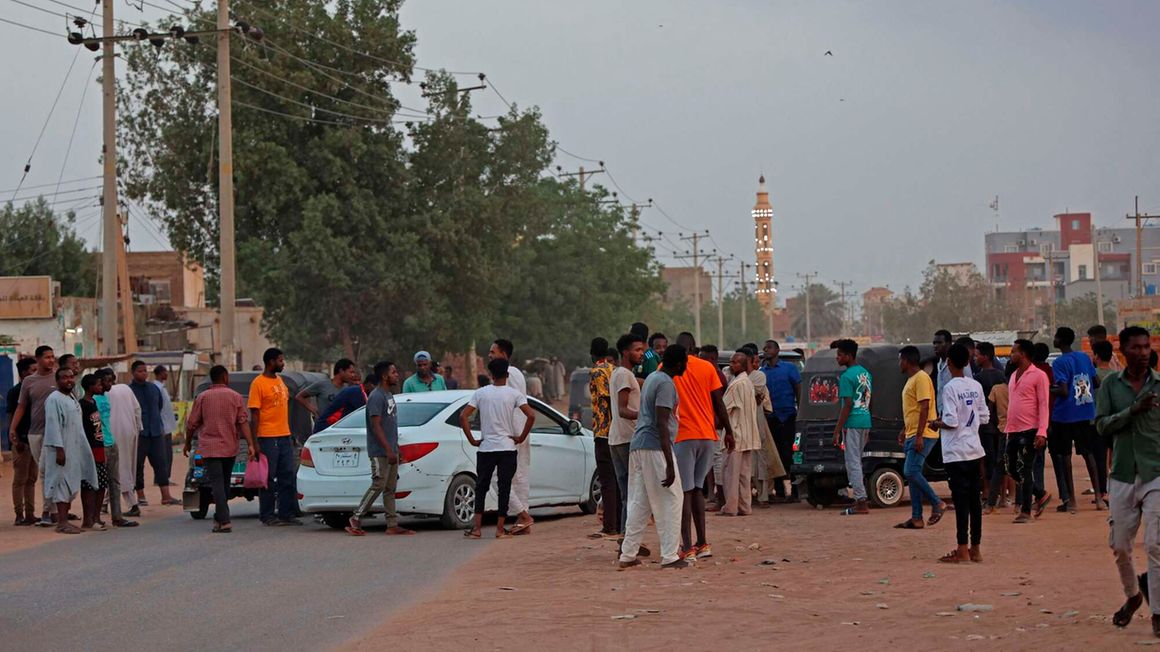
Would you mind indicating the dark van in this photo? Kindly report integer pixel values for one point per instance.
(820, 463)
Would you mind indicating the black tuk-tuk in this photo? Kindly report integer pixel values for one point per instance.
(195, 498)
(821, 463)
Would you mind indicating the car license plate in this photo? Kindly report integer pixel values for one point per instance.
(347, 459)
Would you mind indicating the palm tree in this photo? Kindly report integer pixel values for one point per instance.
(825, 308)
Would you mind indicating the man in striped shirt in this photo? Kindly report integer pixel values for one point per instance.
(1027, 417)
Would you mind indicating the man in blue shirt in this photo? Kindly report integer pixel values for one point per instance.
(151, 442)
(783, 380)
(1073, 387)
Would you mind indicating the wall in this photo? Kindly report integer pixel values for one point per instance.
(73, 330)
(251, 337)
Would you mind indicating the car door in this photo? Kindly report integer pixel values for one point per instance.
(557, 458)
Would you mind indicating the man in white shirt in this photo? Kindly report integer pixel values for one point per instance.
(502, 350)
(497, 404)
(964, 409)
(625, 392)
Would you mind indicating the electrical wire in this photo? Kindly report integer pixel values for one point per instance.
(361, 53)
(30, 27)
(316, 92)
(46, 185)
(53, 194)
(72, 136)
(313, 107)
(292, 116)
(41, 9)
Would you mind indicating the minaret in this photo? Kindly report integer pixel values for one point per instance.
(765, 290)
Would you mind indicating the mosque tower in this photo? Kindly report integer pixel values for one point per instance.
(765, 289)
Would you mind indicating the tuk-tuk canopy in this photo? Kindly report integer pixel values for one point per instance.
(819, 388)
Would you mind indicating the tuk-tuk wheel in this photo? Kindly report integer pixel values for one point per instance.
(885, 486)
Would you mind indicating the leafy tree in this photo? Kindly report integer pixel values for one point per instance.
(825, 307)
(38, 242)
(1079, 313)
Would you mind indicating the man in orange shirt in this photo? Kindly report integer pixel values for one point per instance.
(269, 405)
(701, 395)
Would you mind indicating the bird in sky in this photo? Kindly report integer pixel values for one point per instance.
(829, 53)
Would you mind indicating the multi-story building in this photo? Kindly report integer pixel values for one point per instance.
(1032, 267)
(874, 303)
(683, 285)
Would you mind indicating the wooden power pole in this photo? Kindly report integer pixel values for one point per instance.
(227, 292)
(1139, 217)
(111, 224)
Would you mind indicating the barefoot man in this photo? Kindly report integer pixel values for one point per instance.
(68, 458)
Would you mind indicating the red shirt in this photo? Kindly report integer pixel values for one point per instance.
(219, 413)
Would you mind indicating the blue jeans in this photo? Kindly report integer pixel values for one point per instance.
(919, 487)
(279, 452)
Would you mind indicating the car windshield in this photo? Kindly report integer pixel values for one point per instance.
(410, 415)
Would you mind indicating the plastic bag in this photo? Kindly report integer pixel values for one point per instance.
(257, 473)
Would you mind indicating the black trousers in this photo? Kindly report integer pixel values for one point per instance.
(485, 465)
(966, 483)
(153, 449)
(217, 475)
(997, 464)
(1021, 456)
(609, 490)
(784, 432)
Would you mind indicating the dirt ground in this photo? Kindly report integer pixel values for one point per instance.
(789, 576)
(17, 538)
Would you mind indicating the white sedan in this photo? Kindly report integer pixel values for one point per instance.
(437, 477)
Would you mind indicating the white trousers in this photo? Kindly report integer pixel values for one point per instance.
(518, 499)
(1129, 504)
(647, 498)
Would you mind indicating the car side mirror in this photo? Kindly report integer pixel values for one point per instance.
(574, 427)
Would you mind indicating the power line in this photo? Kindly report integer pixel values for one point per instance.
(40, 9)
(317, 92)
(72, 136)
(292, 116)
(30, 27)
(312, 106)
(46, 185)
(53, 194)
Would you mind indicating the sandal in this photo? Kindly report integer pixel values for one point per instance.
(522, 528)
(68, 528)
(1123, 617)
(936, 515)
(908, 525)
(354, 528)
(952, 557)
(503, 534)
(976, 555)
(220, 528)
(468, 534)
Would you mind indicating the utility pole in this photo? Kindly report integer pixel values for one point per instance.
(1140, 246)
(847, 317)
(1099, 284)
(744, 299)
(227, 292)
(582, 174)
(109, 203)
(809, 325)
(696, 238)
(721, 276)
(1051, 287)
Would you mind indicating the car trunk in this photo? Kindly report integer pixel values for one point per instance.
(340, 452)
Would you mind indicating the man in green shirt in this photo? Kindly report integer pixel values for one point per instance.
(424, 379)
(853, 425)
(1128, 409)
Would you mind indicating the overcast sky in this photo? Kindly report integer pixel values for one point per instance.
(878, 158)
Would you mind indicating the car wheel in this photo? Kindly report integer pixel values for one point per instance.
(885, 487)
(594, 494)
(336, 520)
(459, 504)
(204, 498)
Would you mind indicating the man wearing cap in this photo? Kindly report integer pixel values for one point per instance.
(424, 379)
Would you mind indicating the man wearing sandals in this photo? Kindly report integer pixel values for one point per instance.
(1128, 409)
(918, 406)
(497, 404)
(382, 422)
(964, 409)
(1027, 418)
(68, 460)
(217, 415)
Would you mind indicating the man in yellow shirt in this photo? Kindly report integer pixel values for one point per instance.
(918, 406)
(269, 404)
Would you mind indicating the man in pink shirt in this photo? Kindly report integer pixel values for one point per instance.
(1027, 417)
(216, 418)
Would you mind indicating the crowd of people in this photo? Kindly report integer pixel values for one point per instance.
(678, 435)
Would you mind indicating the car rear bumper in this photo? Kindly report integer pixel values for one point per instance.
(421, 493)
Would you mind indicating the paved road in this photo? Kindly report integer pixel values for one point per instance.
(172, 585)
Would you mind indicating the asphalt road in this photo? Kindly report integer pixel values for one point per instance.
(172, 585)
